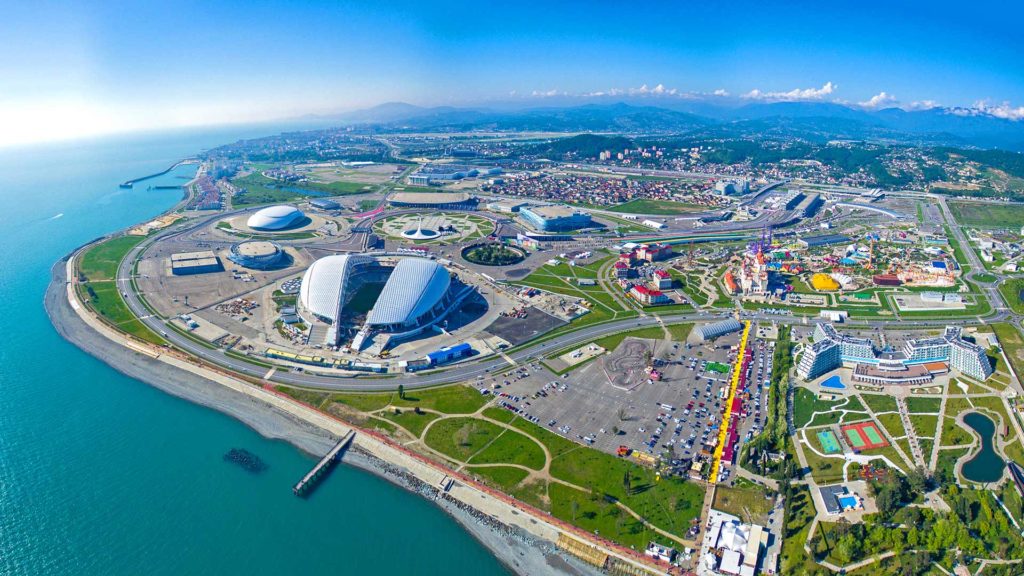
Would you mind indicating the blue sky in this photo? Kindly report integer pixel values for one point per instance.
(87, 67)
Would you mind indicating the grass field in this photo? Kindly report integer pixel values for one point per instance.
(1013, 345)
(747, 502)
(879, 403)
(655, 207)
(98, 267)
(1012, 289)
(511, 448)
(985, 215)
(805, 404)
(461, 438)
(410, 420)
(100, 262)
(923, 405)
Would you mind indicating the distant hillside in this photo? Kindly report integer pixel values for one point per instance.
(582, 146)
(813, 121)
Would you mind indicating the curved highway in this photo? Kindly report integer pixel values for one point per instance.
(471, 370)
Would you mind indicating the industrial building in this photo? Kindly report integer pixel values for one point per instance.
(324, 204)
(730, 187)
(274, 218)
(433, 200)
(555, 218)
(823, 240)
(257, 254)
(831, 350)
(507, 206)
(184, 263)
(716, 329)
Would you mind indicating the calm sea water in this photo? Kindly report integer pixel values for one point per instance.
(102, 474)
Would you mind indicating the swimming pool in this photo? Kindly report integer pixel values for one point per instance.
(833, 382)
(848, 502)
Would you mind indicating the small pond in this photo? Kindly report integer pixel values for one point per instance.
(986, 465)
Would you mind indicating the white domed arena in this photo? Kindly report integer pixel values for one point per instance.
(416, 294)
(273, 218)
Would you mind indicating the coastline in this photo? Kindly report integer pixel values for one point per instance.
(520, 552)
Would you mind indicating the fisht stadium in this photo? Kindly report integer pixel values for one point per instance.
(273, 218)
(417, 294)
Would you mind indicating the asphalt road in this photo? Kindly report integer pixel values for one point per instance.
(470, 370)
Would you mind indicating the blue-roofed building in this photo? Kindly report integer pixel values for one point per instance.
(450, 353)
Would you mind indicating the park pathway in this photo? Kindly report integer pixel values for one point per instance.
(908, 427)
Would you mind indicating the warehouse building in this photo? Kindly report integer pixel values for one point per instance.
(324, 204)
(823, 240)
(185, 263)
(714, 330)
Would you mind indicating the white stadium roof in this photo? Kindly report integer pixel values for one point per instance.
(274, 218)
(324, 282)
(413, 289)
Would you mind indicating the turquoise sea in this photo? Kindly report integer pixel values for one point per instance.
(101, 474)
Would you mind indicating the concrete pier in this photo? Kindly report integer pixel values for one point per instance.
(308, 482)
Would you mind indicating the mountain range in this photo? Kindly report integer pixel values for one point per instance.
(814, 121)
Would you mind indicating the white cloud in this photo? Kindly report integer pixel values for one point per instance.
(1003, 110)
(922, 105)
(794, 95)
(547, 93)
(720, 92)
(881, 100)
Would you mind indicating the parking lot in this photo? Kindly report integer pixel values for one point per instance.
(678, 414)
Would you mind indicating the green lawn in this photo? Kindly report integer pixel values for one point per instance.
(953, 434)
(501, 477)
(986, 215)
(363, 402)
(100, 262)
(410, 420)
(1013, 345)
(924, 424)
(743, 502)
(923, 405)
(1012, 290)
(457, 399)
(461, 438)
(511, 448)
(655, 207)
(879, 403)
(98, 265)
(499, 414)
(892, 424)
(805, 404)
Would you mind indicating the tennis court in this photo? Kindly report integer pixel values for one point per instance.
(829, 442)
(864, 436)
(717, 367)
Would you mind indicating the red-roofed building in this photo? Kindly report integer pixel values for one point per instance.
(653, 252)
(646, 296)
(627, 258)
(662, 280)
(621, 270)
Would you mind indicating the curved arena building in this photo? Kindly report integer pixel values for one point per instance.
(257, 254)
(417, 293)
(274, 218)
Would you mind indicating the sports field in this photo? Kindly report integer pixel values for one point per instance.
(864, 436)
(718, 367)
(829, 442)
